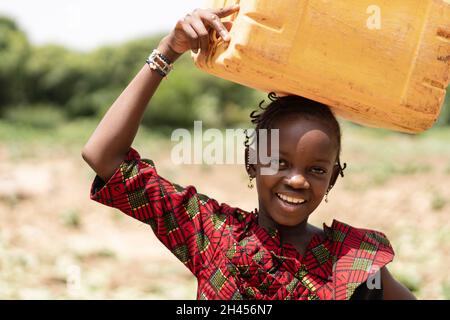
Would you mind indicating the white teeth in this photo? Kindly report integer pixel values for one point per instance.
(290, 199)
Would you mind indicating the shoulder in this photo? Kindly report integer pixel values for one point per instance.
(363, 239)
(357, 255)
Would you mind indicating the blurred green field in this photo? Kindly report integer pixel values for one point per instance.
(395, 183)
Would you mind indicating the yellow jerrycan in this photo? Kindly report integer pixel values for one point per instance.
(383, 63)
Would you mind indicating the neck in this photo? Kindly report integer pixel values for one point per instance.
(294, 234)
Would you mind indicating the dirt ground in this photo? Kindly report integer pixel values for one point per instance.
(55, 243)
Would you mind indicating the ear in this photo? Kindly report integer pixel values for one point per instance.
(334, 176)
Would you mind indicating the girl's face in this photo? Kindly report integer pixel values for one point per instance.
(306, 165)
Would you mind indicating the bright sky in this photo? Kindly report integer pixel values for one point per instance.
(86, 24)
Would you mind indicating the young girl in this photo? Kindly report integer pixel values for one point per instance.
(270, 253)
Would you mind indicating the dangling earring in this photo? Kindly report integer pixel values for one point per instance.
(250, 182)
(247, 151)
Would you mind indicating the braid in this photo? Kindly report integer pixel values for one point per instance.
(296, 105)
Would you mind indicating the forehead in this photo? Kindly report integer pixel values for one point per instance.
(301, 136)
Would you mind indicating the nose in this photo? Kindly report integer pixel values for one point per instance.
(297, 181)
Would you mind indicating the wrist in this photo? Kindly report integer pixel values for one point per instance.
(167, 51)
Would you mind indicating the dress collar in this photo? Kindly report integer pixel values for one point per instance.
(317, 258)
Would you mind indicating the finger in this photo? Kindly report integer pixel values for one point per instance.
(226, 11)
(202, 33)
(192, 36)
(213, 21)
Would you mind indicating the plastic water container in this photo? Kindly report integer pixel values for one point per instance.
(383, 63)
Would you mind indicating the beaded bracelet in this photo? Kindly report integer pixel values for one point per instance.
(160, 63)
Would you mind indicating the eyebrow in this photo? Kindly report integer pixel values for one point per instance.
(323, 160)
(282, 153)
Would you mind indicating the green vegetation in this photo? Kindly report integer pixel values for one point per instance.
(446, 291)
(44, 85)
(71, 218)
(375, 156)
(438, 201)
(371, 161)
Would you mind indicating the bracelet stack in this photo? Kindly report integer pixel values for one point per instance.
(160, 63)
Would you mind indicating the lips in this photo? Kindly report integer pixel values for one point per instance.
(290, 200)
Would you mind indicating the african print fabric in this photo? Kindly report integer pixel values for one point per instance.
(229, 253)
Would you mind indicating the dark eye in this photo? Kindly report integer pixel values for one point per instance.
(318, 170)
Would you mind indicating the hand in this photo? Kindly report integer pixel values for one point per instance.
(192, 32)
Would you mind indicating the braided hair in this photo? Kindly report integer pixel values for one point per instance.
(295, 105)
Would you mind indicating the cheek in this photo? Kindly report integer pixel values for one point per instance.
(319, 186)
(266, 183)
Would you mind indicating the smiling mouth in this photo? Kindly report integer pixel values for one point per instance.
(290, 200)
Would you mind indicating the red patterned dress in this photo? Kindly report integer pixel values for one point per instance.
(231, 255)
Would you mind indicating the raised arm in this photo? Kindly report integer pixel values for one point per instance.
(115, 133)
